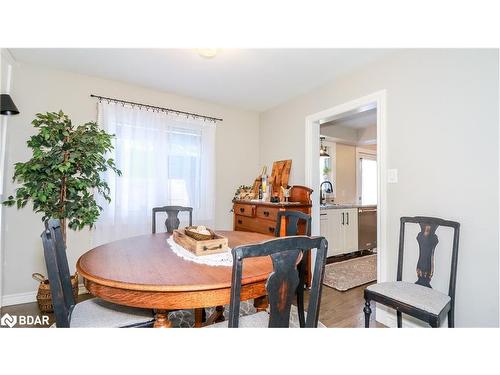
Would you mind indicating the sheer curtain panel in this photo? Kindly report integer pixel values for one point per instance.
(166, 159)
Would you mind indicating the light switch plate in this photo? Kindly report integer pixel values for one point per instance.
(392, 176)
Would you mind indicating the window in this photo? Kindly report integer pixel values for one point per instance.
(165, 160)
(184, 163)
(367, 177)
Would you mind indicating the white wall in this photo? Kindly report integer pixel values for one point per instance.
(345, 167)
(6, 79)
(38, 89)
(442, 136)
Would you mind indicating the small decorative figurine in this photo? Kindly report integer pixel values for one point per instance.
(286, 192)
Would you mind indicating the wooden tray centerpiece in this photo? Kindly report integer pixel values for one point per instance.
(202, 243)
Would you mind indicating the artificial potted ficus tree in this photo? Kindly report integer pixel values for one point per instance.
(65, 171)
(62, 176)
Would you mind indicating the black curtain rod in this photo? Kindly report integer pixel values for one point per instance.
(214, 119)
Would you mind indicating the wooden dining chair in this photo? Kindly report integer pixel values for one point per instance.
(93, 312)
(419, 299)
(282, 283)
(292, 219)
(172, 222)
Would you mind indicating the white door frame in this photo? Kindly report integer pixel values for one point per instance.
(312, 173)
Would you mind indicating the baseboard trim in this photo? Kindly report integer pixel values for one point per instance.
(18, 298)
(28, 297)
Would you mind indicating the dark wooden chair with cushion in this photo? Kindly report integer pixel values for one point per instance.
(419, 299)
(292, 223)
(93, 312)
(172, 222)
(282, 283)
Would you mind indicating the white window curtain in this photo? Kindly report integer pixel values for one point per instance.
(166, 159)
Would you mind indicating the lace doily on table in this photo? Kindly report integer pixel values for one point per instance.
(220, 259)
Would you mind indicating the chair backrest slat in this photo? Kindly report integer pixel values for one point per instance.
(281, 286)
(427, 241)
(58, 272)
(286, 278)
(172, 222)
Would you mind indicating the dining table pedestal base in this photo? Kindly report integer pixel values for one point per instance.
(261, 303)
(161, 319)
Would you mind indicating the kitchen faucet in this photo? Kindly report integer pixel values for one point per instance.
(322, 198)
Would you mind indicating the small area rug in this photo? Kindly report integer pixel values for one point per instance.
(351, 273)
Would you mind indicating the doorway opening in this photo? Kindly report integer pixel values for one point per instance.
(347, 142)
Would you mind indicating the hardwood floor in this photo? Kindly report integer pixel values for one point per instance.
(344, 309)
(338, 309)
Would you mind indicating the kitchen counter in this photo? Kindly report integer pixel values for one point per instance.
(333, 206)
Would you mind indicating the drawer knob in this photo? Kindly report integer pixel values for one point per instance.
(266, 213)
(240, 222)
(242, 209)
(271, 229)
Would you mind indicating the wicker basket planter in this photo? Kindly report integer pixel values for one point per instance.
(44, 297)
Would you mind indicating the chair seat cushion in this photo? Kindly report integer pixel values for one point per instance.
(419, 296)
(261, 320)
(97, 313)
(257, 320)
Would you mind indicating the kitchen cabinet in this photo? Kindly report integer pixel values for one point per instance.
(331, 229)
(340, 228)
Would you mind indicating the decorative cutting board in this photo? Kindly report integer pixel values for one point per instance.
(280, 175)
(217, 245)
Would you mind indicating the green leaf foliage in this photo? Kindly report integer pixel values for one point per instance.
(65, 170)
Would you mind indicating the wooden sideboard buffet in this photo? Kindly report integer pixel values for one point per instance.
(260, 217)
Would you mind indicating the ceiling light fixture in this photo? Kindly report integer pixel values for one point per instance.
(207, 53)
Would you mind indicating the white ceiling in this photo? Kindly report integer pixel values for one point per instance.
(360, 120)
(254, 79)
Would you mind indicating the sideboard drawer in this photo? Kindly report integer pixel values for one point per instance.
(269, 213)
(254, 225)
(244, 210)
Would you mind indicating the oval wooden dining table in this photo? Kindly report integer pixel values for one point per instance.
(143, 271)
